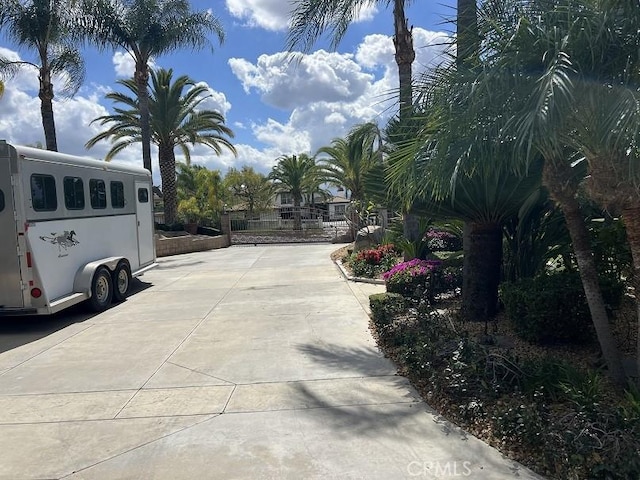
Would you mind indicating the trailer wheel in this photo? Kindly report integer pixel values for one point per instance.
(101, 289)
(121, 281)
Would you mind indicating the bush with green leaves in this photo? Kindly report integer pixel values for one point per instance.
(564, 422)
(552, 308)
(384, 306)
(372, 262)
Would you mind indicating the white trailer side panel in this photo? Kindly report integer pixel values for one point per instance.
(60, 247)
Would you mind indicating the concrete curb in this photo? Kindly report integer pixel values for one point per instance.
(351, 278)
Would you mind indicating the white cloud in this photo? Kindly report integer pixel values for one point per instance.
(125, 66)
(287, 83)
(274, 14)
(216, 101)
(268, 14)
(328, 93)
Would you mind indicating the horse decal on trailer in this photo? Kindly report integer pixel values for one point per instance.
(64, 241)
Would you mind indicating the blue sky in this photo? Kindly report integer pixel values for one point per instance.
(274, 107)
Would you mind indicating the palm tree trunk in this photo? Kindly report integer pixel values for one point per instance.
(297, 220)
(468, 47)
(405, 55)
(556, 179)
(46, 109)
(631, 219)
(482, 276)
(142, 80)
(167, 161)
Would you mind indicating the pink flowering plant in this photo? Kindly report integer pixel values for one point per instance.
(442, 241)
(414, 277)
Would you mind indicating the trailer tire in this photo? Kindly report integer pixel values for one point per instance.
(101, 290)
(121, 281)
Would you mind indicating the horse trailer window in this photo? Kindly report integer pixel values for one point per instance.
(1, 200)
(73, 193)
(43, 193)
(117, 194)
(98, 194)
(143, 195)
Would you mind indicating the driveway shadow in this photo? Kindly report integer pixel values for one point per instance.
(21, 330)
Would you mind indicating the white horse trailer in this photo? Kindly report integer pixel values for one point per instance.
(71, 229)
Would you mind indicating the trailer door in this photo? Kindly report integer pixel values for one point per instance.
(144, 214)
(10, 278)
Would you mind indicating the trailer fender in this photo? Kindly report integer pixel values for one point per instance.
(84, 276)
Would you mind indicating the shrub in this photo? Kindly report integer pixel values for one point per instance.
(384, 306)
(412, 278)
(553, 308)
(372, 262)
(442, 241)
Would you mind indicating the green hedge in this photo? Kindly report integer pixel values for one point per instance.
(553, 308)
(384, 306)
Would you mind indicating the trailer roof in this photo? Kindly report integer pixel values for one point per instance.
(57, 157)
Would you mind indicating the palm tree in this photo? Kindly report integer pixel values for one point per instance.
(296, 174)
(43, 26)
(556, 56)
(453, 167)
(347, 162)
(311, 18)
(176, 121)
(146, 29)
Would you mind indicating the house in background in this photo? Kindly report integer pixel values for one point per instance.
(331, 209)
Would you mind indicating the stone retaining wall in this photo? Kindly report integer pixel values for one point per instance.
(166, 246)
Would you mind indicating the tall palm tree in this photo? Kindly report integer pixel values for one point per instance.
(146, 29)
(176, 121)
(296, 174)
(311, 18)
(44, 27)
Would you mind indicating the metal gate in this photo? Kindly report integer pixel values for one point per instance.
(287, 225)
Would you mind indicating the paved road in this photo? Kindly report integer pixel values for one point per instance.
(242, 363)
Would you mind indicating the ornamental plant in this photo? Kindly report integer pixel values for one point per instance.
(442, 241)
(413, 278)
(372, 262)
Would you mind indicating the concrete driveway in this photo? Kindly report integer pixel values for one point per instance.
(242, 363)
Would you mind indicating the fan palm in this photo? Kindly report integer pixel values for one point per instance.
(573, 62)
(146, 29)
(296, 174)
(454, 167)
(43, 26)
(176, 121)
